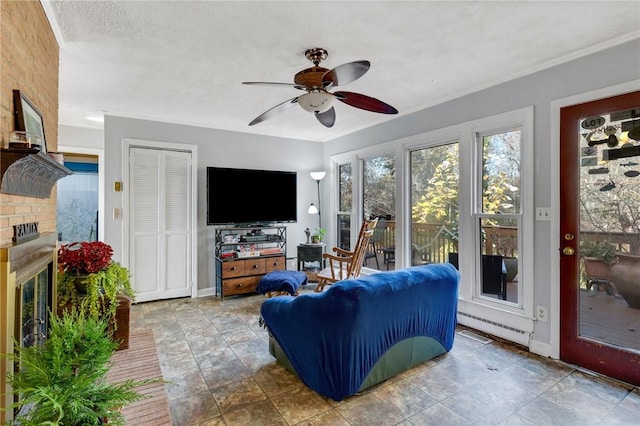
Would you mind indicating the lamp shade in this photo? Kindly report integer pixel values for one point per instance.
(317, 175)
(317, 102)
(313, 209)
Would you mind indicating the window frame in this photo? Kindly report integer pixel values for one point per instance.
(513, 322)
(478, 213)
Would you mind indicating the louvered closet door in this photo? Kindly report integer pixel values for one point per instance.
(160, 223)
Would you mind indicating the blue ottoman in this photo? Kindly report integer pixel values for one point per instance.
(277, 283)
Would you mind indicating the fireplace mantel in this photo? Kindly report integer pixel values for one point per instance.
(29, 172)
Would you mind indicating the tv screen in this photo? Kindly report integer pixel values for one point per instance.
(250, 197)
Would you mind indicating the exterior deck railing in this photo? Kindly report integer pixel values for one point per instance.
(433, 242)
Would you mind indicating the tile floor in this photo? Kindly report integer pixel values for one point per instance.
(216, 356)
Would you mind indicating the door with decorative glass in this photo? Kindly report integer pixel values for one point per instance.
(600, 221)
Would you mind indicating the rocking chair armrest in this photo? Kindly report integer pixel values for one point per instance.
(338, 265)
(338, 259)
(342, 252)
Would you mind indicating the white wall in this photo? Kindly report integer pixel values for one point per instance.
(80, 137)
(215, 148)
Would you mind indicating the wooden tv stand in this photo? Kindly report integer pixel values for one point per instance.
(239, 262)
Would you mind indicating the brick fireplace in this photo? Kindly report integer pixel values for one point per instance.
(29, 63)
(27, 293)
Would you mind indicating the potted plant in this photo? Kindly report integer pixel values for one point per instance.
(597, 258)
(318, 235)
(88, 277)
(63, 382)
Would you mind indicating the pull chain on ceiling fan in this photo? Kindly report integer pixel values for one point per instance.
(317, 81)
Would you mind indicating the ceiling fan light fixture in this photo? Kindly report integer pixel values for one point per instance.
(316, 101)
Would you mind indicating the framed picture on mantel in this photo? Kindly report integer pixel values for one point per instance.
(29, 119)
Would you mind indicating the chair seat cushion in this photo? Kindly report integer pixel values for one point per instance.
(288, 281)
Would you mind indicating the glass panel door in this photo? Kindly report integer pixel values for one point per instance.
(600, 236)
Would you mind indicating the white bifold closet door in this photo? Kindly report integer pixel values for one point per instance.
(160, 223)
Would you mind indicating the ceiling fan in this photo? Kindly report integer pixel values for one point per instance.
(317, 81)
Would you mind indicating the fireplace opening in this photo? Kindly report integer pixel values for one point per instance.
(34, 303)
(27, 298)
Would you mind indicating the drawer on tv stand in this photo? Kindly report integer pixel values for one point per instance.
(233, 286)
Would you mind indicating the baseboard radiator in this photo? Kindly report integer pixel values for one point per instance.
(508, 332)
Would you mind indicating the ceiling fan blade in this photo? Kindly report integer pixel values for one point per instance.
(275, 110)
(345, 73)
(266, 83)
(327, 118)
(365, 102)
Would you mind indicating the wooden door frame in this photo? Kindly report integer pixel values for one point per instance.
(590, 354)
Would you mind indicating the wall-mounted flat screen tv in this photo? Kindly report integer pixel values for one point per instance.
(251, 197)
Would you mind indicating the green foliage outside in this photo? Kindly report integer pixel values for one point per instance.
(614, 212)
(379, 186)
(435, 185)
(600, 250)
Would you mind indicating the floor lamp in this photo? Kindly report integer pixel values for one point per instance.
(317, 176)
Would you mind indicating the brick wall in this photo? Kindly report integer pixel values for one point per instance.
(28, 62)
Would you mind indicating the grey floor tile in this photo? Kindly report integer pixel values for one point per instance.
(215, 355)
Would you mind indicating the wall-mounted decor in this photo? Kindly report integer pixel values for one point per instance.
(29, 119)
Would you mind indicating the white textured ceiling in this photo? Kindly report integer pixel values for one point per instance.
(184, 61)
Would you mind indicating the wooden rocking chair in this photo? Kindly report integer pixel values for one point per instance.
(346, 264)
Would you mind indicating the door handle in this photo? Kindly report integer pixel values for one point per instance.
(569, 251)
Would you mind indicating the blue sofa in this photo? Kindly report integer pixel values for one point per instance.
(362, 331)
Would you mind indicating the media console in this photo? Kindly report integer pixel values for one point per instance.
(246, 254)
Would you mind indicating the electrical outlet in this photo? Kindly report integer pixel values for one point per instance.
(541, 313)
(543, 214)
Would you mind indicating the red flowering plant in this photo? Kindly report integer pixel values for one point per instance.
(90, 279)
(84, 258)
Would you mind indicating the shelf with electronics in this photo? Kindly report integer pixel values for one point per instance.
(244, 254)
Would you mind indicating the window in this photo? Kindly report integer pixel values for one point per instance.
(463, 191)
(345, 199)
(499, 214)
(434, 203)
(379, 200)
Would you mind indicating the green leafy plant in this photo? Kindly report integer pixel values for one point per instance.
(89, 267)
(318, 234)
(63, 382)
(600, 250)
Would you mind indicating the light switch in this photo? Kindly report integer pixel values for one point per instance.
(117, 214)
